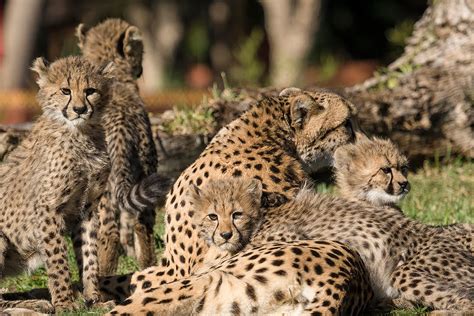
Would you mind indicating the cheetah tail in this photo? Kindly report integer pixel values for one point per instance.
(146, 194)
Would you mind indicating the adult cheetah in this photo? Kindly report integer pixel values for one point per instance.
(57, 185)
(291, 278)
(277, 141)
(130, 147)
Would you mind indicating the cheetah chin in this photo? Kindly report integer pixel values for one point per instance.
(378, 197)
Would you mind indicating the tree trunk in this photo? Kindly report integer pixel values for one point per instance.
(291, 26)
(425, 100)
(22, 20)
(162, 30)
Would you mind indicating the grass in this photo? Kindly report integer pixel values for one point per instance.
(442, 193)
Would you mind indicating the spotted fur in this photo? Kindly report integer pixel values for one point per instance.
(408, 262)
(425, 277)
(53, 182)
(299, 277)
(372, 170)
(133, 187)
(278, 141)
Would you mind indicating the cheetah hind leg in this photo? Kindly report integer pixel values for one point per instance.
(108, 239)
(144, 245)
(127, 221)
(431, 291)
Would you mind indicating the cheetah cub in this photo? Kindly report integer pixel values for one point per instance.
(294, 277)
(228, 228)
(55, 186)
(133, 189)
(228, 221)
(302, 277)
(372, 170)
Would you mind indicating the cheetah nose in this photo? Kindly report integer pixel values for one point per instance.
(79, 109)
(405, 186)
(226, 235)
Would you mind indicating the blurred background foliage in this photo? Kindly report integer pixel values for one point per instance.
(189, 44)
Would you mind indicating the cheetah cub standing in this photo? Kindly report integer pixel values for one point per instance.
(133, 188)
(372, 170)
(56, 186)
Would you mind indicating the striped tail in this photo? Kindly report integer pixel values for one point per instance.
(145, 194)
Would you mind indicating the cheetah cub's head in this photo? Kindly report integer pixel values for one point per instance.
(71, 90)
(227, 212)
(373, 170)
(113, 40)
(320, 122)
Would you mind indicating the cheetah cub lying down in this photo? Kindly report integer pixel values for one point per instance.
(409, 263)
(276, 278)
(55, 187)
(372, 170)
(310, 276)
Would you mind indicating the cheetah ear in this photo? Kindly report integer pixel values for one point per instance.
(300, 106)
(195, 193)
(108, 70)
(254, 187)
(132, 49)
(132, 34)
(289, 91)
(81, 31)
(40, 66)
(343, 157)
(360, 135)
(133, 43)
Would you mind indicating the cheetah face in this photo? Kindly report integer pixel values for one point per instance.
(71, 89)
(388, 185)
(321, 123)
(373, 170)
(227, 212)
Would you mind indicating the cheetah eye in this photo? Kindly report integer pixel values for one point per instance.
(404, 169)
(89, 91)
(212, 217)
(66, 91)
(386, 170)
(236, 215)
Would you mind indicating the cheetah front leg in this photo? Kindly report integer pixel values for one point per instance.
(54, 250)
(86, 249)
